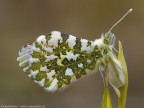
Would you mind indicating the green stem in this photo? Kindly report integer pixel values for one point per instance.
(123, 90)
(106, 96)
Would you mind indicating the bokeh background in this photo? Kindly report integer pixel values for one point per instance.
(22, 21)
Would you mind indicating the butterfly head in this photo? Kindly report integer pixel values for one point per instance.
(109, 39)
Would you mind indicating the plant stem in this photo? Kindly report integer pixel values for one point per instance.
(106, 96)
(123, 89)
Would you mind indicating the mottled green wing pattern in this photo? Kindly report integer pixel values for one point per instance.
(56, 60)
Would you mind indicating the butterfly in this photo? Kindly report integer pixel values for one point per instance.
(56, 60)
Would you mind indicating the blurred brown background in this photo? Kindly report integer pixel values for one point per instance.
(22, 21)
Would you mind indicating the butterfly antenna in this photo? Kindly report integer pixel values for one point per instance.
(128, 12)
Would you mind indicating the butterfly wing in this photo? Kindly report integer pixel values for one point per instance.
(56, 60)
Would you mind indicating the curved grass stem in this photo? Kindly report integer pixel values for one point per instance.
(123, 89)
(106, 96)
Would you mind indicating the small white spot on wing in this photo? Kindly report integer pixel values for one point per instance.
(33, 48)
(44, 69)
(55, 36)
(85, 47)
(48, 49)
(70, 55)
(51, 57)
(71, 41)
(84, 43)
(69, 72)
(89, 61)
(32, 60)
(33, 73)
(80, 65)
(98, 42)
(41, 39)
(50, 74)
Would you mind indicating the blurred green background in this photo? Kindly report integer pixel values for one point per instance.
(22, 21)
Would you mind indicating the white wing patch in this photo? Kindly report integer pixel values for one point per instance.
(71, 41)
(51, 57)
(80, 65)
(54, 38)
(44, 69)
(69, 72)
(41, 39)
(50, 74)
(70, 56)
(34, 73)
(85, 47)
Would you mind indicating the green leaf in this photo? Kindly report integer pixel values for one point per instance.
(123, 89)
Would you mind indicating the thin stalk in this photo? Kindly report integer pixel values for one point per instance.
(123, 90)
(106, 96)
